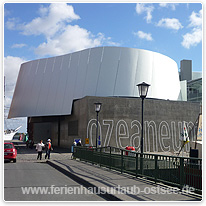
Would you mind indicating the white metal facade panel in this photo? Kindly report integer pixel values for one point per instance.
(81, 74)
(165, 78)
(37, 84)
(126, 73)
(145, 69)
(24, 80)
(93, 71)
(48, 86)
(43, 95)
(28, 101)
(72, 75)
(61, 88)
(108, 71)
(53, 85)
(19, 91)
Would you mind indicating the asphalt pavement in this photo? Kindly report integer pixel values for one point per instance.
(34, 181)
(121, 186)
(106, 184)
(50, 184)
(25, 154)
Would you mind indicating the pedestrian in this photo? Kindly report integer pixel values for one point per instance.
(39, 148)
(79, 143)
(31, 144)
(27, 144)
(48, 148)
(72, 149)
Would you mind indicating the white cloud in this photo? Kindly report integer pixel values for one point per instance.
(194, 37)
(142, 8)
(170, 23)
(18, 45)
(61, 37)
(53, 19)
(195, 19)
(11, 70)
(169, 5)
(73, 38)
(163, 4)
(43, 11)
(6, 12)
(11, 23)
(143, 35)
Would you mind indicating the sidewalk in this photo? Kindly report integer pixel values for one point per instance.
(30, 155)
(138, 189)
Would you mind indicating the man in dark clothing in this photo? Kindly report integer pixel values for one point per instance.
(48, 148)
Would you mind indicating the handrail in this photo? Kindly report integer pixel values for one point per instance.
(161, 155)
(173, 170)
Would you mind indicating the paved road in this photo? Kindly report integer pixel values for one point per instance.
(35, 174)
(139, 189)
(30, 155)
(31, 172)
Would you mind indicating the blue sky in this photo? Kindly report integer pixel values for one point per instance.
(37, 30)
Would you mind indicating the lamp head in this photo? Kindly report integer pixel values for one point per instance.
(97, 106)
(143, 89)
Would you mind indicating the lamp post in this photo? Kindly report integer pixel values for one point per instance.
(97, 110)
(143, 89)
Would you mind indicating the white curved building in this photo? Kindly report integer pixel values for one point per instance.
(48, 86)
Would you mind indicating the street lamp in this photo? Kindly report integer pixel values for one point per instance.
(143, 89)
(97, 110)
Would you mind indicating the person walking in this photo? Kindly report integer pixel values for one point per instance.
(72, 149)
(39, 148)
(79, 143)
(27, 143)
(48, 148)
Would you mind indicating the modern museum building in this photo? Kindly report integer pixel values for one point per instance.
(57, 95)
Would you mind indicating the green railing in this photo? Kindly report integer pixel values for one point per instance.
(172, 170)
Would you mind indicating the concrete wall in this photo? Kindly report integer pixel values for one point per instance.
(120, 123)
(42, 131)
(74, 126)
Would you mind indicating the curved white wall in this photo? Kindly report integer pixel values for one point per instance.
(49, 86)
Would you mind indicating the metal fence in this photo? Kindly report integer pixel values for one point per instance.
(172, 170)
